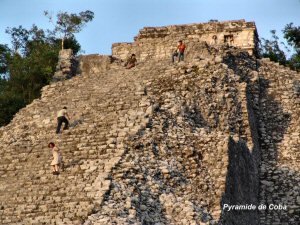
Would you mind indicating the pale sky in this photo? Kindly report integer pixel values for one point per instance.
(120, 20)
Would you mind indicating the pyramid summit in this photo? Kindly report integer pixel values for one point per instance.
(157, 42)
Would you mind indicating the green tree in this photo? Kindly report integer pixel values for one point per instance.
(4, 58)
(66, 25)
(271, 49)
(30, 63)
(28, 74)
(69, 43)
(10, 103)
(25, 75)
(19, 36)
(33, 64)
(292, 35)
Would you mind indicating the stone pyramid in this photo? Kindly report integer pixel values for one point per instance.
(161, 143)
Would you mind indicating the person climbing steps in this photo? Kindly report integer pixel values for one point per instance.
(56, 162)
(62, 117)
(179, 52)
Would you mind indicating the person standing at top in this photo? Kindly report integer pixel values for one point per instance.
(179, 51)
(55, 164)
(62, 117)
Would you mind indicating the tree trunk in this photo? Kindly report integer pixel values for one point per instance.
(62, 44)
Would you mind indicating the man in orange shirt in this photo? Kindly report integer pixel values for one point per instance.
(179, 52)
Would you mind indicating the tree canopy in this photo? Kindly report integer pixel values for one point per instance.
(66, 25)
(31, 61)
(4, 58)
(272, 48)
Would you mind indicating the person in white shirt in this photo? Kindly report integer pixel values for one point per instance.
(62, 117)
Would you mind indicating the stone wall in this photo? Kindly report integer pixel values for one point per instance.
(279, 138)
(160, 42)
(90, 65)
(66, 66)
